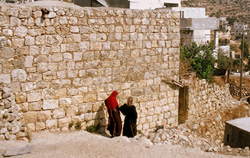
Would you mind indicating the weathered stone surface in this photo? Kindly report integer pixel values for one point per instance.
(19, 75)
(43, 116)
(64, 122)
(58, 113)
(50, 104)
(7, 52)
(5, 78)
(51, 124)
(30, 117)
(34, 96)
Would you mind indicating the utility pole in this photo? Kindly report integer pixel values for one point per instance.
(241, 63)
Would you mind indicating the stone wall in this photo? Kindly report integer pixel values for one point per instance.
(205, 98)
(60, 64)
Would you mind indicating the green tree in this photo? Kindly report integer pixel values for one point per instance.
(222, 60)
(246, 49)
(200, 59)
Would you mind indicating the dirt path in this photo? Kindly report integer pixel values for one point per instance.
(86, 145)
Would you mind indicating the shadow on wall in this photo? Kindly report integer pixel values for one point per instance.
(100, 124)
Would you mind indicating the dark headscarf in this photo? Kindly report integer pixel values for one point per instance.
(111, 101)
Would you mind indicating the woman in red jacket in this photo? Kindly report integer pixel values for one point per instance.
(114, 121)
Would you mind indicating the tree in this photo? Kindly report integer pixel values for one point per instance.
(222, 60)
(246, 49)
(200, 60)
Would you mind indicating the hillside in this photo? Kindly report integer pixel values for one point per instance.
(238, 9)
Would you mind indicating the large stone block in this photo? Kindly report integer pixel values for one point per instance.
(7, 52)
(58, 113)
(20, 97)
(30, 117)
(5, 78)
(64, 122)
(43, 116)
(50, 104)
(40, 126)
(34, 96)
(51, 124)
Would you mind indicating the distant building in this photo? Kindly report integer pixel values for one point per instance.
(102, 3)
(238, 29)
(224, 24)
(195, 25)
(154, 4)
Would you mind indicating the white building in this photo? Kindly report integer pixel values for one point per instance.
(153, 4)
(195, 25)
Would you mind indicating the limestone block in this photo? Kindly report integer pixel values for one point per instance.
(43, 116)
(19, 75)
(40, 40)
(71, 111)
(34, 96)
(73, 20)
(30, 117)
(20, 97)
(40, 126)
(67, 57)
(5, 78)
(35, 106)
(28, 86)
(84, 46)
(145, 126)
(63, 20)
(50, 104)
(50, 15)
(49, 75)
(29, 40)
(50, 30)
(52, 66)
(51, 124)
(61, 74)
(102, 96)
(7, 32)
(28, 61)
(7, 52)
(31, 127)
(20, 31)
(74, 29)
(34, 50)
(56, 57)
(37, 14)
(158, 110)
(58, 113)
(25, 13)
(89, 98)
(77, 56)
(152, 124)
(64, 122)
(65, 101)
(14, 21)
(42, 67)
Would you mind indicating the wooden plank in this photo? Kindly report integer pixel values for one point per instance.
(18, 151)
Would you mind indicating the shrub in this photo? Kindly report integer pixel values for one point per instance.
(78, 125)
(200, 59)
(70, 125)
(93, 128)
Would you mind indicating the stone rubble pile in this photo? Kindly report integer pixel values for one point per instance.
(10, 116)
(185, 138)
(206, 133)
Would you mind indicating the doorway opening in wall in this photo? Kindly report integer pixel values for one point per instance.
(183, 105)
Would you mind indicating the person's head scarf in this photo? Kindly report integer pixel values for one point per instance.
(111, 101)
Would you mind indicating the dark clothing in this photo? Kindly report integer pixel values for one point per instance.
(129, 127)
(114, 121)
